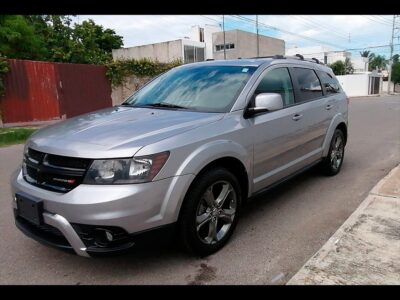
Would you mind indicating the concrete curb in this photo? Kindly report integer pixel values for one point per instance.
(366, 248)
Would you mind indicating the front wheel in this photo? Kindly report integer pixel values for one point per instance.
(210, 212)
(332, 164)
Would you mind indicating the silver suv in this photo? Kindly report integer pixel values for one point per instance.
(182, 153)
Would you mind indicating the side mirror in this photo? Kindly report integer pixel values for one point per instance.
(265, 102)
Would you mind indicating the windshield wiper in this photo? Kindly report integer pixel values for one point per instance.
(165, 104)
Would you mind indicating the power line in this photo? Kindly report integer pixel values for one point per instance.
(288, 32)
(376, 21)
(247, 20)
(384, 20)
(348, 50)
(311, 24)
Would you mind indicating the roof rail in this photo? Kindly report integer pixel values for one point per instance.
(270, 56)
(297, 56)
(209, 59)
(316, 60)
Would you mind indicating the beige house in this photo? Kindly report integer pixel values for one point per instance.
(243, 44)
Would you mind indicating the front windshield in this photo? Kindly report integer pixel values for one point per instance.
(197, 88)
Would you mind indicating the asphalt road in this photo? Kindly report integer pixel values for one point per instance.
(278, 232)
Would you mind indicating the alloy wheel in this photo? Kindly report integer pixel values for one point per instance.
(337, 152)
(216, 212)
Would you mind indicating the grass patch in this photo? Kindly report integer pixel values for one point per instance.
(11, 136)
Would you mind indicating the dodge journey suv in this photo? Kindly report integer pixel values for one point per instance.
(184, 152)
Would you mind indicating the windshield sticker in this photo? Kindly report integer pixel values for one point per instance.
(244, 70)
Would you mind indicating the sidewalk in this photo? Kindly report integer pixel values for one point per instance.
(366, 248)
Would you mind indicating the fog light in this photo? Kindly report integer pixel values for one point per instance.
(109, 236)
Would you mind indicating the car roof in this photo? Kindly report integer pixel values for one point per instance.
(257, 62)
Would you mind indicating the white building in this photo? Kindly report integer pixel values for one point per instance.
(360, 64)
(204, 35)
(323, 54)
(197, 47)
(361, 84)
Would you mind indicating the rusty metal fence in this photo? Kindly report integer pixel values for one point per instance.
(43, 91)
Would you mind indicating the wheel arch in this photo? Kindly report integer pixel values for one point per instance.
(337, 122)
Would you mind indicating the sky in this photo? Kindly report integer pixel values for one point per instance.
(337, 32)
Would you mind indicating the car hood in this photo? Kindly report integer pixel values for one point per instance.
(116, 132)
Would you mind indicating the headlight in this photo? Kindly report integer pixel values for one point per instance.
(125, 170)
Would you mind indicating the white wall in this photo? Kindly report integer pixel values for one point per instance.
(355, 84)
(319, 52)
(194, 34)
(163, 52)
(385, 87)
(335, 56)
(359, 64)
(208, 39)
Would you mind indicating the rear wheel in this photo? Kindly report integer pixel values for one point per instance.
(332, 164)
(210, 212)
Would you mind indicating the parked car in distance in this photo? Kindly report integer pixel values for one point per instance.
(184, 152)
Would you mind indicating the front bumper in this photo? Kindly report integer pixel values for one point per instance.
(132, 209)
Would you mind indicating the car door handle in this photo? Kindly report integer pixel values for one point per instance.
(329, 106)
(297, 117)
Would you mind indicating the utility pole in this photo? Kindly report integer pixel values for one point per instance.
(391, 56)
(395, 34)
(223, 29)
(258, 41)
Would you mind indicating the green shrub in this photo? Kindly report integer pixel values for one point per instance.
(118, 71)
(3, 71)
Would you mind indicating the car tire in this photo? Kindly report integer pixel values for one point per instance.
(210, 212)
(332, 163)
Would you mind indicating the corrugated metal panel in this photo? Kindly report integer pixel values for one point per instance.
(83, 88)
(29, 92)
(41, 91)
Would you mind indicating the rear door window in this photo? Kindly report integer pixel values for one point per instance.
(308, 84)
(329, 82)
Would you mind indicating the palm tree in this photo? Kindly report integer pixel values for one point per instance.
(365, 53)
(378, 62)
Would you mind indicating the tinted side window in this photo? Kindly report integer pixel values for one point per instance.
(277, 81)
(308, 84)
(329, 82)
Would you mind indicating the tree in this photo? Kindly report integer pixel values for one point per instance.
(18, 38)
(338, 67)
(55, 38)
(396, 71)
(91, 43)
(365, 53)
(348, 66)
(371, 56)
(377, 62)
(395, 58)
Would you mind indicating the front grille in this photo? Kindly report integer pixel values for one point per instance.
(54, 172)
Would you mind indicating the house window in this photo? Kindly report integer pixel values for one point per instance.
(220, 47)
(193, 54)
